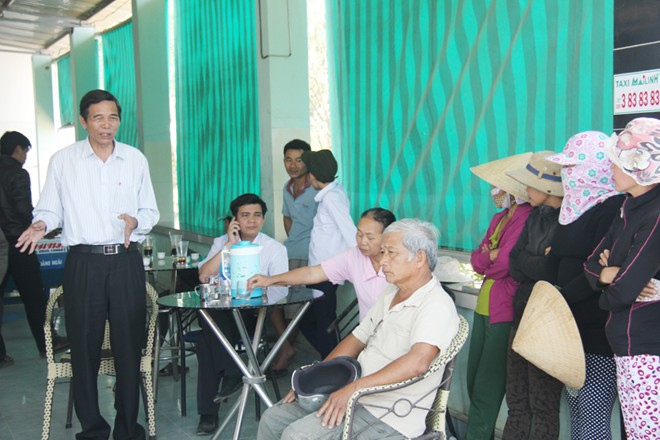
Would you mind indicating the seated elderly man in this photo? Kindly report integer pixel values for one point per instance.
(410, 324)
(248, 212)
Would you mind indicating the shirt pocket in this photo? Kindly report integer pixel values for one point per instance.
(123, 191)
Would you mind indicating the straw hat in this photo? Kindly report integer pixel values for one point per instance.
(494, 171)
(548, 336)
(540, 174)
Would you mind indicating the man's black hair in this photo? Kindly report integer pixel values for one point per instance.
(12, 139)
(297, 144)
(382, 216)
(94, 97)
(247, 199)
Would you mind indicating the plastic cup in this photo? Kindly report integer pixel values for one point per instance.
(241, 290)
(194, 256)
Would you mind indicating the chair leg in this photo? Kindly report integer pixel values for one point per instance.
(149, 410)
(48, 409)
(182, 356)
(450, 424)
(69, 407)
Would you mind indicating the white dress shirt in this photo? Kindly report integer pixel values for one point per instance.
(85, 196)
(333, 230)
(273, 259)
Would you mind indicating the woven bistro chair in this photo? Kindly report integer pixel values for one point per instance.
(62, 368)
(436, 416)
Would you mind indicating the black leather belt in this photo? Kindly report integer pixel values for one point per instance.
(103, 249)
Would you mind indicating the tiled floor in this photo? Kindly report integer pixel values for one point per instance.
(23, 385)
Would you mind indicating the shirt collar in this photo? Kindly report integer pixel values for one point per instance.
(118, 152)
(417, 297)
(289, 186)
(319, 195)
(371, 273)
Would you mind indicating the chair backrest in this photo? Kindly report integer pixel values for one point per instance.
(346, 321)
(435, 419)
(152, 309)
(443, 360)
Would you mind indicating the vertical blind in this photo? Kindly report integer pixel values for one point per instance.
(216, 108)
(119, 78)
(65, 90)
(425, 89)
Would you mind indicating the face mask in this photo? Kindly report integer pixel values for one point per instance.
(502, 199)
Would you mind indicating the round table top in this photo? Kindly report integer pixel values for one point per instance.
(273, 296)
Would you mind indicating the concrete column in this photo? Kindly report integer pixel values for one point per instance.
(283, 95)
(84, 68)
(46, 139)
(153, 111)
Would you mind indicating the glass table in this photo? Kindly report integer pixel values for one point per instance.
(253, 376)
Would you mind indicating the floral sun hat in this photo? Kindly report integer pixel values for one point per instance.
(586, 175)
(637, 150)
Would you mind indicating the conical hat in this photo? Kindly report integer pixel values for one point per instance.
(548, 336)
(494, 172)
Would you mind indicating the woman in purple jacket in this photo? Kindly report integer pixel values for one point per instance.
(486, 375)
(626, 268)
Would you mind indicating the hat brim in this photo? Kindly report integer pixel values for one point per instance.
(609, 147)
(612, 153)
(526, 178)
(548, 336)
(563, 160)
(494, 173)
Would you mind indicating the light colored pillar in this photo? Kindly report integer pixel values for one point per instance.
(283, 95)
(84, 69)
(152, 85)
(46, 140)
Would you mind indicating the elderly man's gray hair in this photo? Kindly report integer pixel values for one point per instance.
(418, 235)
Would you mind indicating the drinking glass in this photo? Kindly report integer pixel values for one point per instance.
(174, 239)
(148, 246)
(241, 289)
(181, 252)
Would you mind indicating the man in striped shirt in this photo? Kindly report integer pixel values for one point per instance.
(99, 191)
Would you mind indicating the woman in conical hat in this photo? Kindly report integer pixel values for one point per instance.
(486, 378)
(532, 394)
(626, 267)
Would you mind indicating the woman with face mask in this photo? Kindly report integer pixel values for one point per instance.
(486, 376)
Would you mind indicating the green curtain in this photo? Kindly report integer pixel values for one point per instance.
(65, 90)
(216, 108)
(426, 89)
(119, 78)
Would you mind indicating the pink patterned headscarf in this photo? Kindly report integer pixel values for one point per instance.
(586, 175)
(637, 150)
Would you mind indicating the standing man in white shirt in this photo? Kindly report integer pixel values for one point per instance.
(99, 191)
(332, 233)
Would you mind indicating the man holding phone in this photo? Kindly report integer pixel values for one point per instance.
(248, 213)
